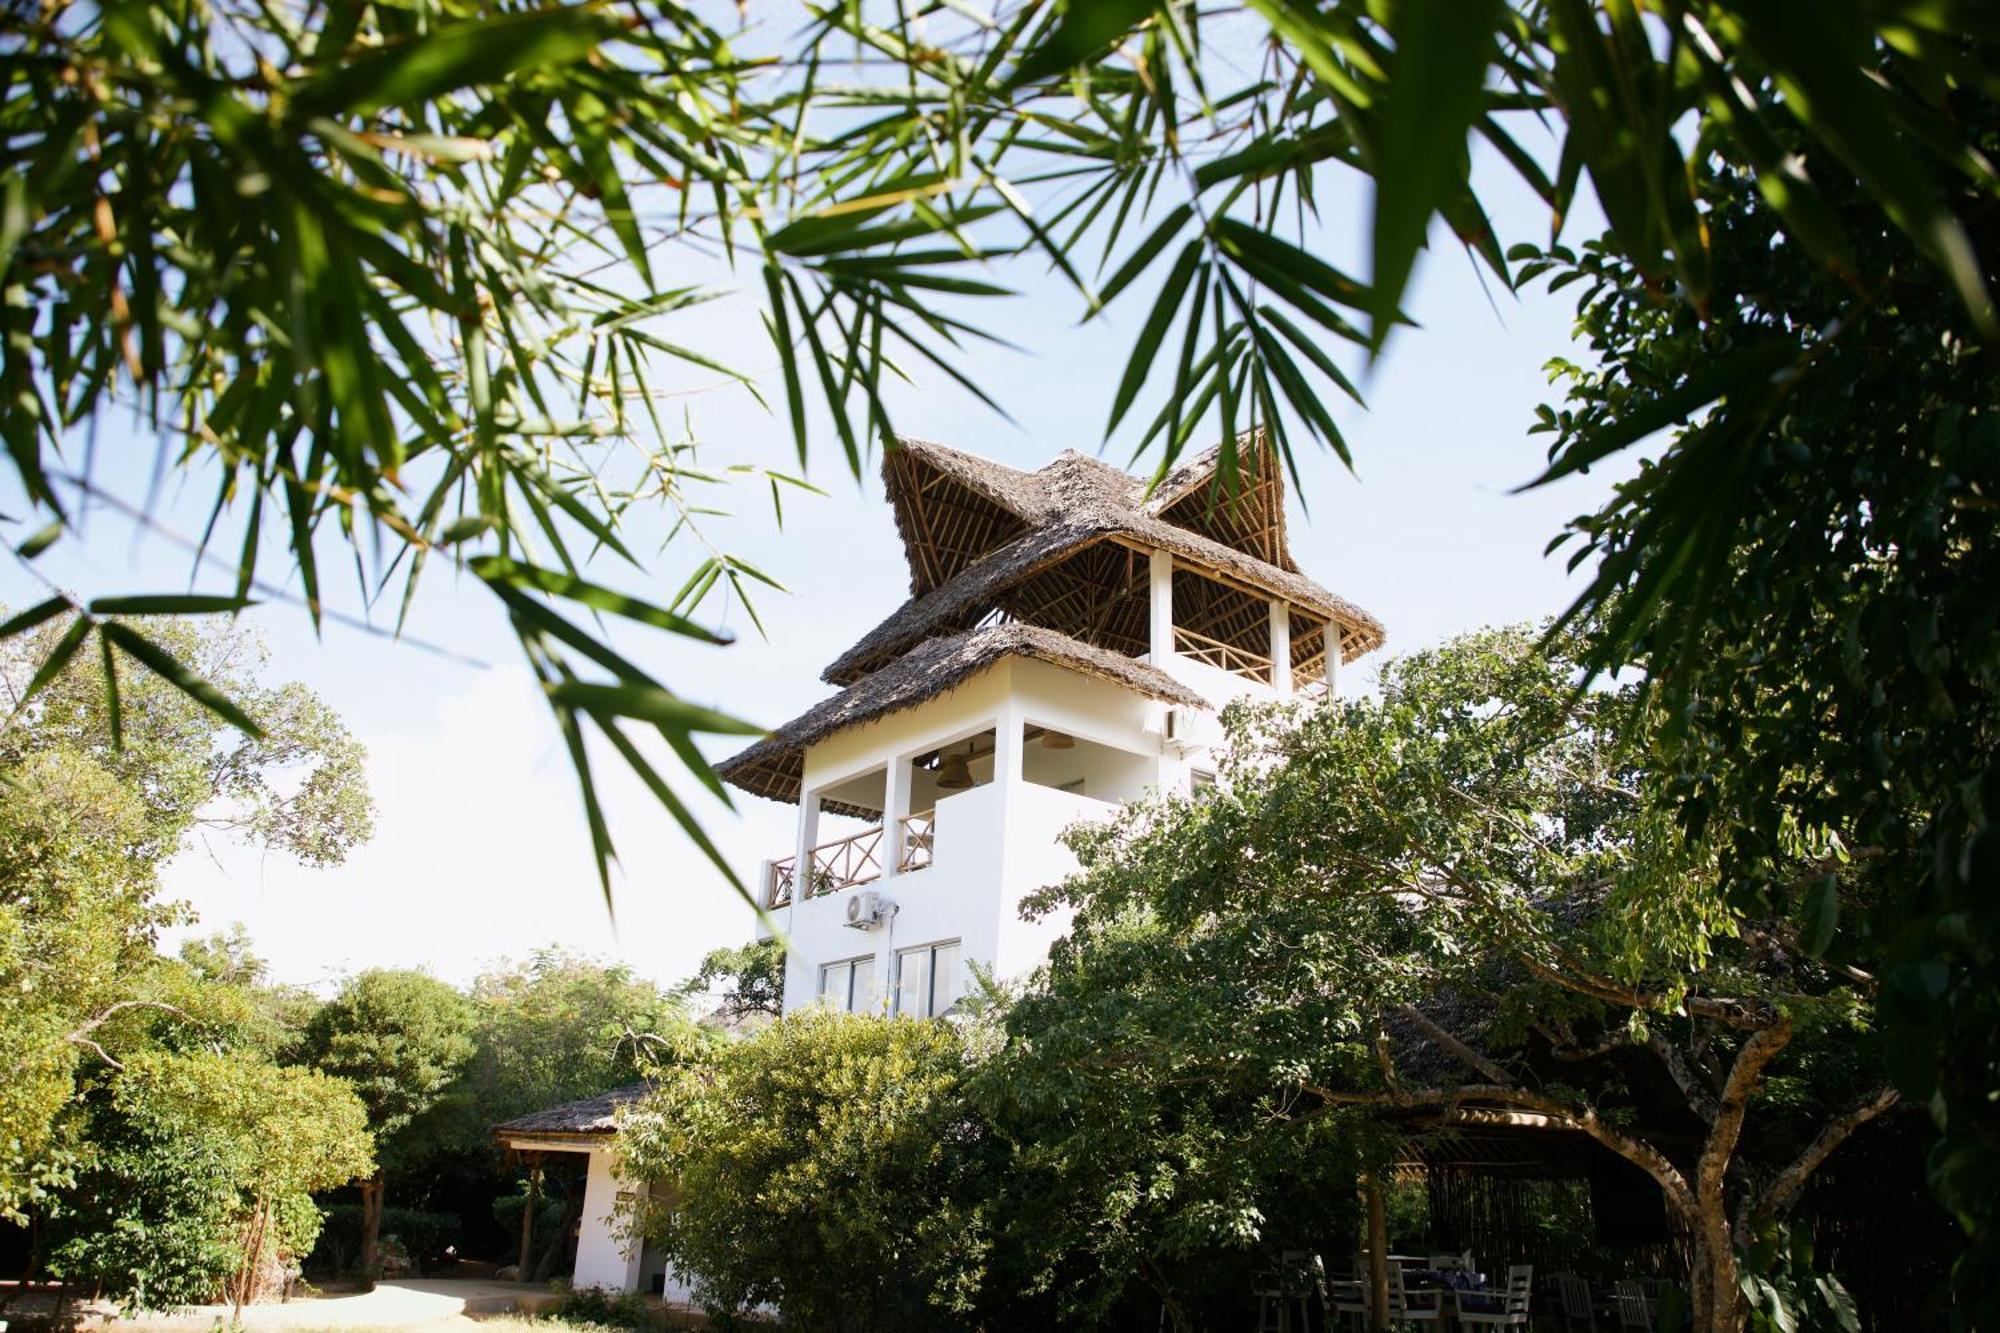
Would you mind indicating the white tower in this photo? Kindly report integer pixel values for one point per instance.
(1066, 646)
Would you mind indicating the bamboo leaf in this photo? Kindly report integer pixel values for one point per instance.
(1443, 48)
(162, 664)
(485, 50)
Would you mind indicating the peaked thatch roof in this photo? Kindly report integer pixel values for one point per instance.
(775, 766)
(590, 1115)
(979, 533)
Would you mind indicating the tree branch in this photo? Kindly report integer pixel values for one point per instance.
(1699, 1098)
(1464, 1053)
(1727, 1126)
(1452, 1105)
(1784, 1191)
(81, 1036)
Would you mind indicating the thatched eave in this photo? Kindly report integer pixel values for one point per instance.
(775, 766)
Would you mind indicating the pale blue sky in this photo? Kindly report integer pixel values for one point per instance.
(481, 851)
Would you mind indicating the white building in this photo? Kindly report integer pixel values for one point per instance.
(1067, 644)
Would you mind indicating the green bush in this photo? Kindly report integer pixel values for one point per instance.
(425, 1237)
(597, 1307)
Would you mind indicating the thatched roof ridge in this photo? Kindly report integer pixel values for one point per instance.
(588, 1115)
(1077, 502)
(775, 766)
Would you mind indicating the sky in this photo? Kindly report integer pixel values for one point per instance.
(480, 852)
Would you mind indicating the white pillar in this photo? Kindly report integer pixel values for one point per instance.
(1333, 659)
(1162, 588)
(895, 804)
(1281, 648)
(1007, 748)
(606, 1254)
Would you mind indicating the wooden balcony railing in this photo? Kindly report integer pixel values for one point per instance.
(919, 838)
(835, 866)
(1223, 656)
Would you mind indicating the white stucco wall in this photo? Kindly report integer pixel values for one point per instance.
(605, 1257)
(996, 843)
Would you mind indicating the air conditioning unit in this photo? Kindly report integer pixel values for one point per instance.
(868, 909)
(1190, 728)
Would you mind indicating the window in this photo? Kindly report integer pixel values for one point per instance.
(927, 979)
(1200, 780)
(848, 985)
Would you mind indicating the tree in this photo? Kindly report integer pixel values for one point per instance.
(828, 1165)
(1814, 603)
(408, 327)
(203, 1180)
(92, 811)
(402, 1039)
(558, 1027)
(392, 337)
(749, 981)
(1490, 832)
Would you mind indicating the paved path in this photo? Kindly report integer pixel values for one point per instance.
(399, 1303)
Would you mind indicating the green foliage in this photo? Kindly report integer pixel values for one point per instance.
(599, 1308)
(296, 787)
(829, 1165)
(354, 269)
(1465, 896)
(749, 979)
(558, 1027)
(204, 1170)
(401, 1039)
(85, 825)
(1806, 568)
(1787, 1293)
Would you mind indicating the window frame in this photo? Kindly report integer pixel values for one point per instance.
(853, 966)
(929, 953)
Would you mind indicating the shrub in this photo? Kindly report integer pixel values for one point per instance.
(830, 1166)
(595, 1306)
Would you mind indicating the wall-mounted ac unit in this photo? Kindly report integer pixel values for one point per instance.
(868, 909)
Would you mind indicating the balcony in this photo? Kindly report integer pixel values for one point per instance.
(836, 865)
(1222, 656)
(846, 862)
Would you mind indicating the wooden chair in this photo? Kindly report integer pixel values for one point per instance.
(1289, 1289)
(1577, 1308)
(1407, 1309)
(1349, 1297)
(1635, 1312)
(1513, 1300)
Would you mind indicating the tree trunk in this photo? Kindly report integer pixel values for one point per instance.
(528, 1221)
(1715, 1300)
(371, 1223)
(1378, 1253)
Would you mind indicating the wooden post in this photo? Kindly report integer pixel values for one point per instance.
(1378, 1253)
(528, 1216)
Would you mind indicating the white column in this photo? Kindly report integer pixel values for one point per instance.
(1162, 588)
(801, 985)
(895, 804)
(1333, 659)
(1007, 747)
(1281, 648)
(606, 1255)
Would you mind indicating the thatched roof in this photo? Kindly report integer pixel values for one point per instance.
(1045, 548)
(775, 766)
(588, 1116)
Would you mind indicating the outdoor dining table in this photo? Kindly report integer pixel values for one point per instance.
(1456, 1290)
